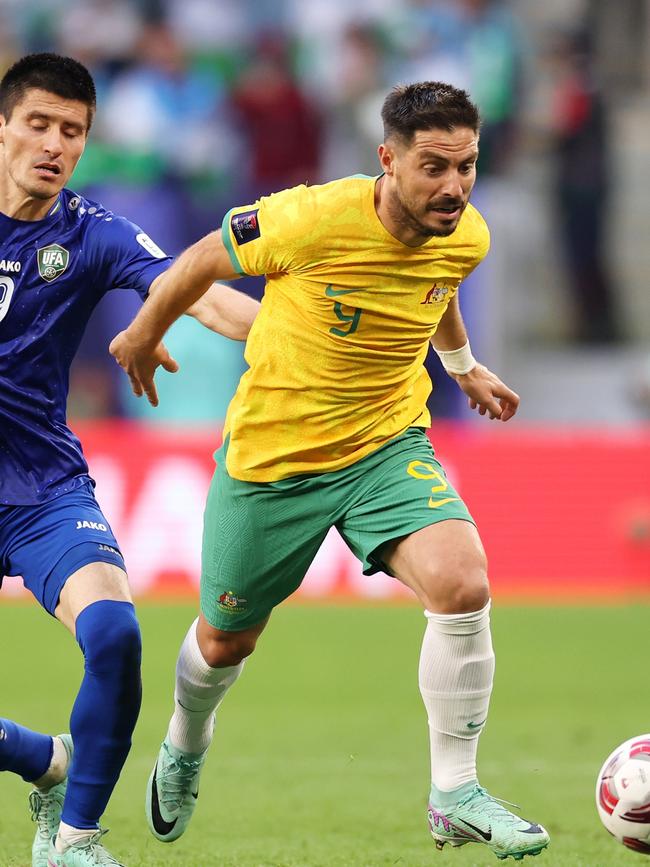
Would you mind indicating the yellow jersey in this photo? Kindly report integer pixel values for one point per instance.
(337, 350)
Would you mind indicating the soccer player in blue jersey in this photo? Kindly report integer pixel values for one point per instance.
(59, 254)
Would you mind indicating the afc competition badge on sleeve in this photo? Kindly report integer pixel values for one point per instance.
(52, 261)
(245, 226)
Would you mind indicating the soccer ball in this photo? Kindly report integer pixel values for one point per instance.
(623, 794)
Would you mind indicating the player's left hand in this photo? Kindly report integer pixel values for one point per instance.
(488, 394)
(140, 363)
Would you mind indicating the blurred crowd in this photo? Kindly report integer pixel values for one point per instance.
(203, 104)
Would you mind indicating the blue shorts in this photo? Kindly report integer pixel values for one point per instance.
(47, 543)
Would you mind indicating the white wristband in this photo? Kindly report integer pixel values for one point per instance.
(457, 361)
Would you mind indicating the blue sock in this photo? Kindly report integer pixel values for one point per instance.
(23, 751)
(106, 709)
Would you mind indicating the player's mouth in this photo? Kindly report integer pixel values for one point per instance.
(47, 170)
(448, 211)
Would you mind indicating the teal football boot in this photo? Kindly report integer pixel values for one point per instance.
(172, 791)
(46, 810)
(474, 816)
(90, 853)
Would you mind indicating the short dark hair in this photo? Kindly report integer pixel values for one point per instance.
(63, 76)
(427, 105)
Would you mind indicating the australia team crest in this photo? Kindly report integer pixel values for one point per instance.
(232, 603)
(52, 261)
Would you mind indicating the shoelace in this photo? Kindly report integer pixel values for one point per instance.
(492, 807)
(96, 854)
(177, 775)
(42, 806)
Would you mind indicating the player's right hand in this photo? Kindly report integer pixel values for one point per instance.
(140, 363)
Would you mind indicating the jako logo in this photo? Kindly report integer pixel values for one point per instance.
(91, 525)
(8, 265)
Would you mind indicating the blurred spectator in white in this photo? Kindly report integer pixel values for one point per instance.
(206, 26)
(162, 106)
(103, 33)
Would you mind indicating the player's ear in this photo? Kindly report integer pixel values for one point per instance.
(386, 154)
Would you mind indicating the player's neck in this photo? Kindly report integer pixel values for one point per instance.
(26, 208)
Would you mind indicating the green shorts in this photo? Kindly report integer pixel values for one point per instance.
(260, 538)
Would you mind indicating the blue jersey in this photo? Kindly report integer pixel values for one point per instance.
(53, 272)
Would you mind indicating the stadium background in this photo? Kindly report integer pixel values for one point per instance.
(203, 105)
(208, 103)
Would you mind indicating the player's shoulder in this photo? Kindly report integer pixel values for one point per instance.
(91, 220)
(475, 230)
(102, 227)
(319, 196)
(81, 210)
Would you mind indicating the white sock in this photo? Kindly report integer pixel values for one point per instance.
(199, 692)
(57, 769)
(455, 676)
(69, 836)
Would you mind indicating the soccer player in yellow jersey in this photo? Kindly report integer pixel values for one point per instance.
(327, 429)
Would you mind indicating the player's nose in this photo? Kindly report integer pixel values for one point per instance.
(53, 145)
(452, 185)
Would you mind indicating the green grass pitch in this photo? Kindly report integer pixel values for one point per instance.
(320, 757)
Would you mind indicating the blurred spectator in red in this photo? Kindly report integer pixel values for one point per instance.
(281, 126)
(581, 200)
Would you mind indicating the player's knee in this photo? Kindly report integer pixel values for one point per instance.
(469, 593)
(109, 635)
(221, 649)
(457, 585)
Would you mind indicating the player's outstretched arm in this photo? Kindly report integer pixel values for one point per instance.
(485, 391)
(138, 349)
(226, 311)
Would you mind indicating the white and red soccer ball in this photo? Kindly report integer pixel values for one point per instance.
(623, 794)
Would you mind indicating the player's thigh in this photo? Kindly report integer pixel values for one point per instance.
(444, 564)
(94, 582)
(404, 491)
(49, 543)
(258, 542)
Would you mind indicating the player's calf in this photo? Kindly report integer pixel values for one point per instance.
(105, 710)
(173, 787)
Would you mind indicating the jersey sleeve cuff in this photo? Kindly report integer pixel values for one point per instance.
(227, 240)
